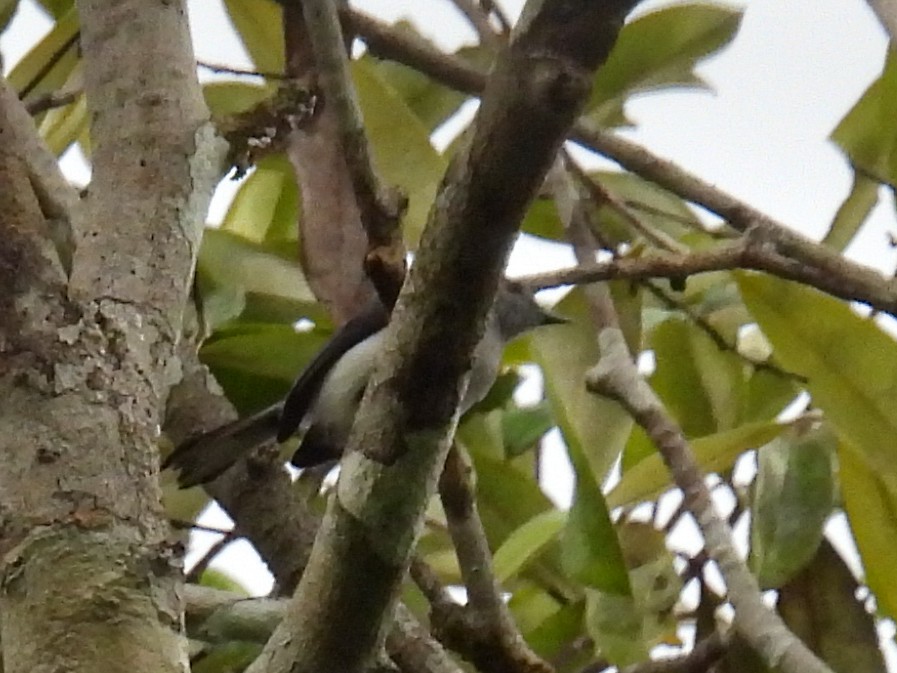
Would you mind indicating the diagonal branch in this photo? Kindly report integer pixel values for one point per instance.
(402, 432)
(485, 632)
(380, 209)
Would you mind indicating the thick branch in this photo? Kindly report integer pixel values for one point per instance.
(402, 430)
(380, 209)
(485, 633)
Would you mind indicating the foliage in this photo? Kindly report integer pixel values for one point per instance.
(815, 415)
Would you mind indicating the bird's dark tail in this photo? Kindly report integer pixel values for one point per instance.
(204, 457)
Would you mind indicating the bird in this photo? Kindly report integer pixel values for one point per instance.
(325, 397)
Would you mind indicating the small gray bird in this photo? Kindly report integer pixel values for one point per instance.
(325, 397)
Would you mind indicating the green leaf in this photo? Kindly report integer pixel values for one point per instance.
(678, 381)
(531, 605)
(526, 543)
(229, 98)
(401, 147)
(235, 276)
(557, 635)
(714, 453)
(870, 500)
(863, 197)
(60, 40)
(259, 24)
(542, 220)
(591, 553)
(507, 499)
(850, 364)
(591, 425)
(794, 494)
(56, 8)
(867, 133)
(522, 427)
(657, 51)
(257, 364)
(266, 207)
(431, 102)
(821, 607)
(218, 579)
(614, 623)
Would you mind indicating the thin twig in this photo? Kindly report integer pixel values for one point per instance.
(203, 563)
(230, 70)
(50, 101)
(48, 65)
(699, 660)
(497, 642)
(478, 17)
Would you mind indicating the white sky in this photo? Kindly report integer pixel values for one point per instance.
(793, 71)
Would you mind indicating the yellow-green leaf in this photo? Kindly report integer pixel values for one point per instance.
(526, 543)
(649, 478)
(871, 504)
(260, 25)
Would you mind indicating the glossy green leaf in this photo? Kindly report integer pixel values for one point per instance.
(677, 380)
(558, 634)
(257, 364)
(542, 220)
(522, 427)
(482, 434)
(228, 98)
(658, 51)
(714, 453)
(615, 625)
(433, 103)
(526, 543)
(849, 362)
(59, 41)
(56, 8)
(531, 605)
(266, 207)
(767, 394)
(591, 425)
(794, 493)
(507, 499)
(591, 553)
(854, 211)
(820, 606)
(867, 133)
(401, 147)
(870, 499)
(655, 582)
(259, 23)
(232, 273)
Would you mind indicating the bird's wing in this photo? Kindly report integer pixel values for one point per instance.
(304, 391)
